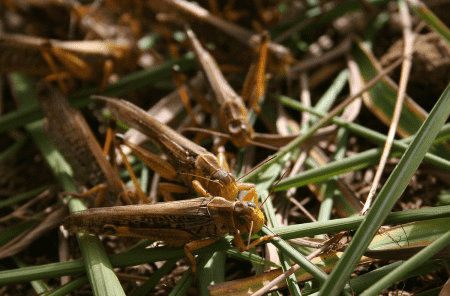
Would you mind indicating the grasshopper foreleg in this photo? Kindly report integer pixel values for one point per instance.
(239, 243)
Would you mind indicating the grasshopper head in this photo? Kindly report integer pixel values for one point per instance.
(233, 118)
(223, 182)
(228, 188)
(244, 214)
(241, 132)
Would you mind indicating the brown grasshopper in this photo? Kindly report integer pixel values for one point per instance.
(229, 105)
(99, 22)
(42, 18)
(187, 162)
(194, 223)
(68, 130)
(280, 57)
(65, 60)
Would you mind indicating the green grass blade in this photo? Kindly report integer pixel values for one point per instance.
(101, 275)
(377, 137)
(183, 285)
(409, 266)
(12, 149)
(348, 164)
(131, 258)
(70, 287)
(38, 285)
(10, 233)
(431, 19)
(133, 81)
(389, 194)
(22, 196)
(145, 288)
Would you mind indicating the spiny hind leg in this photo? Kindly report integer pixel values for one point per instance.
(166, 188)
(255, 82)
(108, 67)
(142, 196)
(99, 191)
(64, 79)
(180, 80)
(155, 162)
(194, 245)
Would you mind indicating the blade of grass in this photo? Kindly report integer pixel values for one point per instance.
(348, 164)
(359, 283)
(70, 287)
(275, 170)
(183, 285)
(376, 137)
(131, 258)
(430, 18)
(145, 288)
(10, 233)
(325, 18)
(388, 195)
(133, 81)
(251, 257)
(101, 275)
(297, 141)
(22, 196)
(38, 285)
(209, 274)
(12, 149)
(408, 266)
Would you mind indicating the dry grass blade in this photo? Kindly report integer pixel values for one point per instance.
(268, 287)
(51, 221)
(408, 37)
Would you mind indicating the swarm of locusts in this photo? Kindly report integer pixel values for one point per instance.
(196, 202)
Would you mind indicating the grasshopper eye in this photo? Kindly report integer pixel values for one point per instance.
(109, 229)
(223, 177)
(252, 205)
(235, 127)
(242, 220)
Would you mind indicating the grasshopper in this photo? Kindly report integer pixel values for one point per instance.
(65, 60)
(229, 105)
(43, 18)
(188, 162)
(280, 56)
(68, 130)
(100, 22)
(194, 223)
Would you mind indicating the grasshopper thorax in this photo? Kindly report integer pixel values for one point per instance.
(233, 118)
(247, 217)
(220, 182)
(241, 132)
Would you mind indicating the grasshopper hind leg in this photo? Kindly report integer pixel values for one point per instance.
(99, 191)
(192, 246)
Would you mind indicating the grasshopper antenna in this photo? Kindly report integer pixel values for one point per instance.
(257, 166)
(226, 136)
(250, 234)
(201, 177)
(273, 188)
(206, 131)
